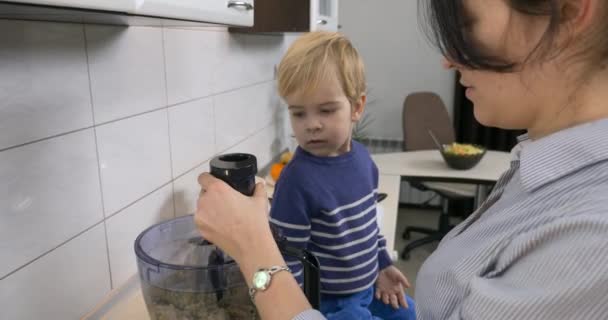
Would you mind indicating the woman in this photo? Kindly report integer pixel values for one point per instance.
(538, 247)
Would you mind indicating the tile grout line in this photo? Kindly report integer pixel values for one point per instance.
(228, 148)
(46, 138)
(214, 94)
(162, 37)
(103, 206)
(130, 204)
(83, 128)
(81, 233)
(123, 209)
(127, 117)
(250, 85)
(51, 250)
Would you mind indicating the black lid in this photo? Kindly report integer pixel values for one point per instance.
(234, 166)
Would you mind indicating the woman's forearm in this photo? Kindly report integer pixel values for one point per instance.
(239, 226)
(284, 298)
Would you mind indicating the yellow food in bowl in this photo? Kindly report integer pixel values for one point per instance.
(461, 149)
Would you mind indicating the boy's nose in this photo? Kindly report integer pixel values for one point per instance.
(314, 125)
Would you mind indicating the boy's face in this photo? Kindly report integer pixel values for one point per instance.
(323, 119)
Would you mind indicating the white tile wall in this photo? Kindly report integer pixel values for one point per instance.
(34, 58)
(136, 151)
(264, 144)
(241, 113)
(124, 227)
(245, 60)
(49, 193)
(192, 132)
(161, 99)
(186, 190)
(64, 284)
(190, 57)
(127, 70)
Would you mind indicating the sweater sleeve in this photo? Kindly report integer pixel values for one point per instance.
(384, 259)
(290, 213)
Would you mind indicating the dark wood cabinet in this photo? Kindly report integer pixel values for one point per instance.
(276, 16)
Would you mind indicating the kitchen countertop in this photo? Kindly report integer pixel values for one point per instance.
(124, 303)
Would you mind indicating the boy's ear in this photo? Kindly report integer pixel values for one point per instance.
(358, 108)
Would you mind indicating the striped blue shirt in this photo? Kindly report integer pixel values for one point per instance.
(328, 205)
(537, 248)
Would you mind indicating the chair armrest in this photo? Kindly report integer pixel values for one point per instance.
(381, 197)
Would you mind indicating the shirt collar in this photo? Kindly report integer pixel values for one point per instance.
(552, 157)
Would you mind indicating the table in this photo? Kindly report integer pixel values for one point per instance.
(428, 165)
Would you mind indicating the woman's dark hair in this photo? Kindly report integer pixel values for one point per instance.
(447, 22)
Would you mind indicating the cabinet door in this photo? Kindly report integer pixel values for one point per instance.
(229, 12)
(108, 5)
(324, 15)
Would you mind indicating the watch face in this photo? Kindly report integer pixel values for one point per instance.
(260, 279)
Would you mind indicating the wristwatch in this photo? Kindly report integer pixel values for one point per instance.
(262, 278)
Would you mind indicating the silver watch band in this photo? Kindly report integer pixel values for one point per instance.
(270, 271)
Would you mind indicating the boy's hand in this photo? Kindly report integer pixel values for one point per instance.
(390, 287)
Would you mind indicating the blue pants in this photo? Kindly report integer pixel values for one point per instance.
(364, 306)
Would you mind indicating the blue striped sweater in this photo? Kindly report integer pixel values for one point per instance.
(328, 205)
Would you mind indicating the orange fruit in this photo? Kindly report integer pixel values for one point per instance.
(275, 170)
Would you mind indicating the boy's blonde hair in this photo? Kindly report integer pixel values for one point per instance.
(313, 57)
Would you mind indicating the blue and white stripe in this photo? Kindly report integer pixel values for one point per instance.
(318, 208)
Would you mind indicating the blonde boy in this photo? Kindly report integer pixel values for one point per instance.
(325, 199)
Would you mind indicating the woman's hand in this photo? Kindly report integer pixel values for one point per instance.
(239, 226)
(390, 287)
(229, 219)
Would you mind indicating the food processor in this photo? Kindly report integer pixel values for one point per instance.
(183, 276)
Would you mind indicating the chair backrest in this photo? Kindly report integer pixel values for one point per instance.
(423, 111)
